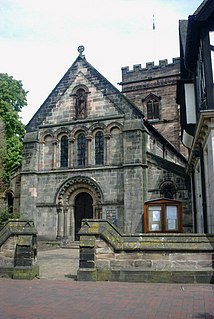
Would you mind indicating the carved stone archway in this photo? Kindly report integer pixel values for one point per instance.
(65, 203)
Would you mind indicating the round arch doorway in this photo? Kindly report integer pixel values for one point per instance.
(83, 208)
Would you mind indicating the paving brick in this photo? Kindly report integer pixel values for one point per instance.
(109, 300)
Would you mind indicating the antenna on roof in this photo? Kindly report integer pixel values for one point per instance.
(153, 26)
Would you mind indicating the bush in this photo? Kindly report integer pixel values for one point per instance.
(5, 215)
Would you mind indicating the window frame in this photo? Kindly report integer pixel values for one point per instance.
(153, 109)
(99, 148)
(162, 204)
(82, 158)
(64, 157)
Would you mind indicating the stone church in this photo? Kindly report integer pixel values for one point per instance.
(90, 153)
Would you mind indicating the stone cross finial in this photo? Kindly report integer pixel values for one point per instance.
(81, 49)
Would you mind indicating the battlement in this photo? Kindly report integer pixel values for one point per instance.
(151, 66)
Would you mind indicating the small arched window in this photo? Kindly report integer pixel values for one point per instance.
(99, 148)
(152, 103)
(10, 199)
(64, 151)
(82, 150)
(153, 109)
(168, 191)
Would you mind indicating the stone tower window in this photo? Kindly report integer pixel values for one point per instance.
(82, 149)
(99, 148)
(64, 151)
(152, 107)
(153, 110)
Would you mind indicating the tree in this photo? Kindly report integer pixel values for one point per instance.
(12, 100)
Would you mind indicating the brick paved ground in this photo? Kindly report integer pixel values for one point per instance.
(67, 299)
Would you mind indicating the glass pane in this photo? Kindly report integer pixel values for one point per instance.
(64, 152)
(99, 148)
(82, 150)
(156, 110)
(154, 218)
(149, 110)
(171, 218)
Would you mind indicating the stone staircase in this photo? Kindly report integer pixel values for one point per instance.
(18, 250)
(54, 244)
(58, 260)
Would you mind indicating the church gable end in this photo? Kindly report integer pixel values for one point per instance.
(88, 153)
(83, 88)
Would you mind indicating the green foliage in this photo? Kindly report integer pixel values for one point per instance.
(5, 215)
(12, 100)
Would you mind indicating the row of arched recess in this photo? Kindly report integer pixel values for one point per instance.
(81, 147)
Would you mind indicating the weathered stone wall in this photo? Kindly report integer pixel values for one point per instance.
(118, 186)
(7, 252)
(126, 181)
(18, 250)
(105, 254)
(163, 171)
(160, 80)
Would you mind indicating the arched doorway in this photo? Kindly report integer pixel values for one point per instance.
(83, 209)
(79, 197)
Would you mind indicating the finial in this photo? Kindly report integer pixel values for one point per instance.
(81, 49)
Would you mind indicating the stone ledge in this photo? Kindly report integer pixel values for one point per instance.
(26, 272)
(164, 258)
(156, 276)
(144, 242)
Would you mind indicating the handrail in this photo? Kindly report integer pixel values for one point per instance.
(16, 227)
(178, 242)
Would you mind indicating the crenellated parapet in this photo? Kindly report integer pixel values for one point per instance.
(139, 72)
(151, 66)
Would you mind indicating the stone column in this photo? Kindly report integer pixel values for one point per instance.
(41, 152)
(55, 142)
(65, 222)
(107, 149)
(72, 226)
(60, 221)
(89, 139)
(71, 152)
(98, 211)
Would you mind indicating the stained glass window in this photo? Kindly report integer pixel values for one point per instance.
(99, 148)
(82, 150)
(64, 152)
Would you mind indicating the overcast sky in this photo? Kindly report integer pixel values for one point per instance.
(39, 38)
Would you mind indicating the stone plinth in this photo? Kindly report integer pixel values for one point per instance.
(106, 254)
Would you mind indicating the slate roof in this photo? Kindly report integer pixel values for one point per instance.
(111, 92)
(120, 101)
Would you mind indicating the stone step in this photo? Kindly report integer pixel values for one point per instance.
(54, 244)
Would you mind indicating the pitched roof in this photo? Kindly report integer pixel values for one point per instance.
(111, 92)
